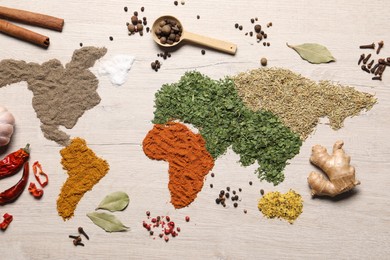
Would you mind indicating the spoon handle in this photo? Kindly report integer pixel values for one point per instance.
(223, 46)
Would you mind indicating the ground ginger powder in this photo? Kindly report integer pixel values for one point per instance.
(276, 205)
(85, 169)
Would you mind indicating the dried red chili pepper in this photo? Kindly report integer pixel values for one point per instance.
(37, 166)
(14, 161)
(14, 192)
(7, 220)
(36, 192)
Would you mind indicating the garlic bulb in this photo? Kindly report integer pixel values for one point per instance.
(7, 122)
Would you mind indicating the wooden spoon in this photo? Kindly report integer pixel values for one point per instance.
(194, 38)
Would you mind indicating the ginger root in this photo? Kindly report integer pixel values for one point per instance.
(336, 166)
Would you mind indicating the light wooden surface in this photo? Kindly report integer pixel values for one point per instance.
(356, 227)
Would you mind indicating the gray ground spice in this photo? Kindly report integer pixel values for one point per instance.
(61, 94)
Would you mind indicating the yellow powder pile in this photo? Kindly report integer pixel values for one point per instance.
(85, 169)
(276, 205)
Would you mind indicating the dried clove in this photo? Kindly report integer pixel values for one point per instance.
(368, 46)
(369, 65)
(366, 58)
(374, 68)
(380, 45)
(384, 62)
(365, 68)
(81, 231)
(362, 56)
(380, 69)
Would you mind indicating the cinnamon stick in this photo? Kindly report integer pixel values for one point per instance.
(26, 17)
(24, 34)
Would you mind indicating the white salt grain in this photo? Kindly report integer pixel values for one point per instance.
(117, 68)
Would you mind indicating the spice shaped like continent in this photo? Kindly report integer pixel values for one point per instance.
(189, 161)
(85, 169)
(61, 93)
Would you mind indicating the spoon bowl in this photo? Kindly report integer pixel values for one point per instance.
(223, 46)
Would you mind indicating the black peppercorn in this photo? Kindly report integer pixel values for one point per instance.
(240, 27)
(250, 183)
(235, 204)
(239, 189)
(111, 38)
(257, 28)
(218, 201)
(236, 25)
(252, 20)
(142, 9)
(81, 44)
(211, 185)
(228, 188)
(203, 52)
(125, 8)
(222, 192)
(197, 17)
(227, 195)
(175, 2)
(135, 13)
(212, 175)
(234, 192)
(262, 192)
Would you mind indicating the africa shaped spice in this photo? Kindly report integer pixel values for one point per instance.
(85, 169)
(189, 161)
(61, 94)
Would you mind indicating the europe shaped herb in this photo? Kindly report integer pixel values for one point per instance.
(214, 107)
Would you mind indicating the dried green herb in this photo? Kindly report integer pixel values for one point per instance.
(106, 221)
(115, 201)
(298, 101)
(313, 52)
(214, 107)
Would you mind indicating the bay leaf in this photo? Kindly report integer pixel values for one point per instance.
(115, 201)
(313, 52)
(107, 221)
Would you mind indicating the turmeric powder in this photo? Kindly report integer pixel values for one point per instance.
(85, 169)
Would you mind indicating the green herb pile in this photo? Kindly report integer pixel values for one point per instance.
(214, 107)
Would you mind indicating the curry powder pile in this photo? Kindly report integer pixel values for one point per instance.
(276, 205)
(85, 169)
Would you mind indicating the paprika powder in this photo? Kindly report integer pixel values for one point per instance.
(189, 161)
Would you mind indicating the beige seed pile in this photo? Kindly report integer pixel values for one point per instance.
(298, 101)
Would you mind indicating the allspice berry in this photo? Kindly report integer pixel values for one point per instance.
(134, 20)
(166, 30)
(140, 27)
(131, 28)
(263, 61)
(257, 28)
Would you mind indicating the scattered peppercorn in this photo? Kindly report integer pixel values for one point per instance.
(245, 211)
(236, 25)
(142, 9)
(197, 17)
(125, 8)
(211, 185)
(148, 213)
(250, 183)
(262, 192)
(212, 174)
(135, 13)
(203, 52)
(239, 189)
(187, 218)
(151, 232)
(81, 44)
(235, 204)
(175, 2)
(234, 192)
(228, 188)
(252, 20)
(240, 27)
(257, 28)
(111, 38)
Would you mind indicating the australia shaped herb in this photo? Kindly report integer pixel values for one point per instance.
(61, 94)
(313, 52)
(107, 221)
(115, 201)
(214, 107)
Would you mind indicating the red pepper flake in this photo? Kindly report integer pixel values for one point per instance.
(37, 166)
(37, 193)
(7, 220)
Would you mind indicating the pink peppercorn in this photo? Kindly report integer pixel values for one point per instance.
(187, 218)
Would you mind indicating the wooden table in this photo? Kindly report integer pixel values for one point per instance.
(356, 227)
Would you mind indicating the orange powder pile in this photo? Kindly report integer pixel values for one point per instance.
(85, 169)
(189, 161)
